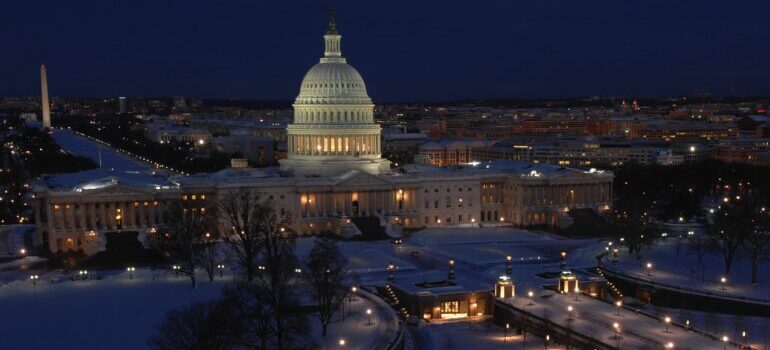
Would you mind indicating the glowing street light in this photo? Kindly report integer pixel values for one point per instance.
(342, 343)
(507, 327)
(369, 315)
(353, 290)
(34, 279)
(616, 327)
(619, 305)
(670, 345)
(723, 280)
(725, 339)
(547, 340)
(649, 269)
(530, 294)
(130, 271)
(743, 335)
(569, 311)
(668, 322)
(221, 268)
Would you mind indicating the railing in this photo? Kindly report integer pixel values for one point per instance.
(556, 330)
(397, 342)
(641, 280)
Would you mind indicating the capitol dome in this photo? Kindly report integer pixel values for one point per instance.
(333, 82)
(333, 130)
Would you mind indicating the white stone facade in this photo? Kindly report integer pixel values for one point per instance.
(334, 172)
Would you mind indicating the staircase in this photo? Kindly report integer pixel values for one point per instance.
(370, 228)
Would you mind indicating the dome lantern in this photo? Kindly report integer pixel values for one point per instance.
(332, 51)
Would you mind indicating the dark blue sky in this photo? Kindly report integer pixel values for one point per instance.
(406, 50)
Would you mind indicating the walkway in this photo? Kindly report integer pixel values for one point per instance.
(595, 319)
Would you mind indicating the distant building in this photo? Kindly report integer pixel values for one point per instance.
(447, 152)
(585, 153)
(122, 105)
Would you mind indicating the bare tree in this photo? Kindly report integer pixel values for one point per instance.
(757, 241)
(241, 212)
(729, 230)
(698, 244)
(326, 271)
(252, 314)
(198, 326)
(279, 273)
(209, 256)
(180, 240)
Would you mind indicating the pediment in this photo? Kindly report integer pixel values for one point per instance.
(362, 180)
(113, 189)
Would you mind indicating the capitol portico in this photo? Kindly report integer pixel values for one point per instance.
(334, 173)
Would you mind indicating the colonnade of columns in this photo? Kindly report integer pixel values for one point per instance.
(321, 204)
(105, 215)
(325, 145)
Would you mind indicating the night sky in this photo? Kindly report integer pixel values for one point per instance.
(405, 50)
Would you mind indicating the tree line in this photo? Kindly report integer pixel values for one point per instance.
(264, 309)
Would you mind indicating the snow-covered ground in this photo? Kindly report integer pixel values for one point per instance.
(596, 319)
(87, 314)
(116, 310)
(683, 270)
(476, 335)
(83, 146)
(123, 312)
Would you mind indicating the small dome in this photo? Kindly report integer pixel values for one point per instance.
(332, 80)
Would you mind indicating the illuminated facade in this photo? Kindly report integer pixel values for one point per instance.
(333, 129)
(334, 172)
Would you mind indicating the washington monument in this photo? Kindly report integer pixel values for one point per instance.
(44, 99)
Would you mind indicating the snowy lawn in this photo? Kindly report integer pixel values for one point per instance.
(683, 270)
(85, 147)
(476, 335)
(122, 313)
(115, 312)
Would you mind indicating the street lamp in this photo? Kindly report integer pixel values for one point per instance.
(353, 290)
(34, 279)
(569, 311)
(342, 343)
(130, 270)
(369, 315)
(649, 269)
(725, 339)
(670, 345)
(547, 340)
(221, 268)
(616, 327)
(507, 327)
(619, 304)
(668, 321)
(530, 294)
(391, 275)
(723, 280)
(743, 334)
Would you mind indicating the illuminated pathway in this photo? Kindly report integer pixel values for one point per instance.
(595, 319)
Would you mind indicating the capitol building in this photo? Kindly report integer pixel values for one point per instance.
(334, 176)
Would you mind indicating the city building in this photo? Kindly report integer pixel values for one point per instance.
(333, 171)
